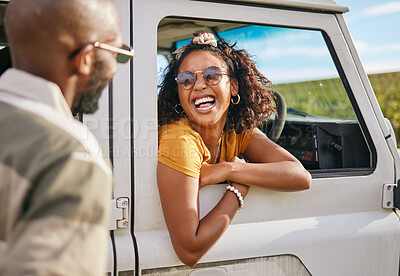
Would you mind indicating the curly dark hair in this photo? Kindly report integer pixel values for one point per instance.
(256, 100)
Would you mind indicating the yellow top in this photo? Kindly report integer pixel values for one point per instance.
(181, 148)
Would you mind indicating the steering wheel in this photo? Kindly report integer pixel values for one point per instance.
(279, 122)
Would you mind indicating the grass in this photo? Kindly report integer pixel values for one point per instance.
(387, 91)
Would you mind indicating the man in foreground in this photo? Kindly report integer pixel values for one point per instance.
(55, 181)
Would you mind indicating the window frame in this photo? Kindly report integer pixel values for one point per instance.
(322, 173)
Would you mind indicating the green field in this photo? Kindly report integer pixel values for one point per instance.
(328, 98)
(387, 91)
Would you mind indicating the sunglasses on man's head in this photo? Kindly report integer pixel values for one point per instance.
(212, 76)
(124, 53)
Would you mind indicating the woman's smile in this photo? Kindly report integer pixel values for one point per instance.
(205, 103)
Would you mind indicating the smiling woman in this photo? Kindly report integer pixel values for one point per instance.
(210, 104)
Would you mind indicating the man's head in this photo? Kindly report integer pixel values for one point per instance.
(43, 33)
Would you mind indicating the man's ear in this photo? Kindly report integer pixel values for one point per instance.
(234, 87)
(84, 60)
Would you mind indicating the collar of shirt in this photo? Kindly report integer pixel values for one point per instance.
(25, 85)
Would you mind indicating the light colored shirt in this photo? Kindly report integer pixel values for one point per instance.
(55, 184)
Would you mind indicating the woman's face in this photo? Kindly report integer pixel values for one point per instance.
(206, 105)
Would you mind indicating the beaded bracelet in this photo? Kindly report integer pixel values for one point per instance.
(237, 193)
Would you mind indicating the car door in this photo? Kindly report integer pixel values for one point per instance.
(112, 125)
(338, 227)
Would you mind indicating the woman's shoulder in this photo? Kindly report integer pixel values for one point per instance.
(181, 148)
(173, 126)
(178, 131)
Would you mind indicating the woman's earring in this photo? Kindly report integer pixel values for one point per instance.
(176, 110)
(237, 101)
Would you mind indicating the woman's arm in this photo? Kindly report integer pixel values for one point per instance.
(271, 167)
(191, 237)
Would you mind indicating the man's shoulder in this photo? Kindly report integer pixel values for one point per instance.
(46, 138)
(28, 129)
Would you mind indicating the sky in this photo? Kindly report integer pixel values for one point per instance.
(375, 28)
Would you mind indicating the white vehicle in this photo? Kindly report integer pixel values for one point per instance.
(346, 224)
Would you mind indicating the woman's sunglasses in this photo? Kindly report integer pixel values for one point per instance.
(212, 76)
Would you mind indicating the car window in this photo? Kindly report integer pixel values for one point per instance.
(318, 125)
